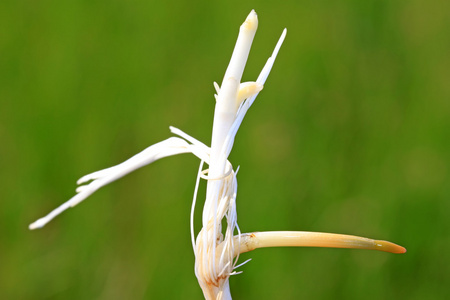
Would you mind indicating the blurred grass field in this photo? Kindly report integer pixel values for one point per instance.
(350, 135)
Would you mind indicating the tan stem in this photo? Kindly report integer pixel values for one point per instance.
(252, 241)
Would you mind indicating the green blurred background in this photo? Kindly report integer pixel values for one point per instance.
(350, 135)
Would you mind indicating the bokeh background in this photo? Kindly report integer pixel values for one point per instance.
(350, 135)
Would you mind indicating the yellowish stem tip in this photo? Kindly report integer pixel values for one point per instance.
(389, 247)
(251, 23)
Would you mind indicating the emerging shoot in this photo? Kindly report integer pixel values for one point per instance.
(217, 249)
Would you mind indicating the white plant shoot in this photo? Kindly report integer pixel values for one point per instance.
(217, 249)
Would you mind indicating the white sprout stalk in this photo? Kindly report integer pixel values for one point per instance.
(221, 191)
(217, 250)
